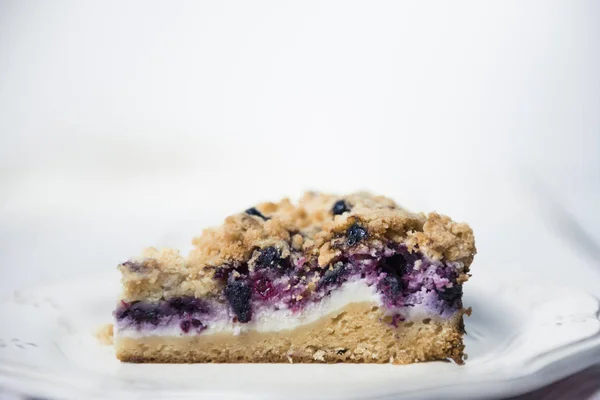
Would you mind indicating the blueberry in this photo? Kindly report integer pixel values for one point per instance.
(355, 234)
(238, 295)
(196, 323)
(185, 326)
(255, 212)
(451, 294)
(340, 207)
(390, 286)
(269, 257)
(396, 265)
(332, 276)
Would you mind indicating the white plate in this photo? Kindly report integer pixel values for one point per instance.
(518, 339)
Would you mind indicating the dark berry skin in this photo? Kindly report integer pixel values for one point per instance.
(238, 295)
(196, 323)
(354, 234)
(395, 265)
(332, 276)
(269, 257)
(185, 326)
(392, 285)
(451, 294)
(255, 212)
(340, 207)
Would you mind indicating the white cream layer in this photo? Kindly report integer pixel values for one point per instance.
(269, 320)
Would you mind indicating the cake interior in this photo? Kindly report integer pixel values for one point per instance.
(403, 296)
(353, 334)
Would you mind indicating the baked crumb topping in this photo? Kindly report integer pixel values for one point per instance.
(104, 334)
(320, 226)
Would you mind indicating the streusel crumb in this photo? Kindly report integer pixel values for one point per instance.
(104, 334)
(320, 225)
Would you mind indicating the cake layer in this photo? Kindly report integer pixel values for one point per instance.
(357, 333)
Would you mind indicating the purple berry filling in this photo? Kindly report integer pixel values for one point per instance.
(188, 312)
(402, 278)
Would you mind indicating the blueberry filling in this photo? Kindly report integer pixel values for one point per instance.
(340, 207)
(179, 308)
(263, 288)
(402, 279)
(255, 212)
(139, 313)
(186, 305)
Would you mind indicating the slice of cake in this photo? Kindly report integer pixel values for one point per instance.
(353, 279)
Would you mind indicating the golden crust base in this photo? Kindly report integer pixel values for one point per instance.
(355, 334)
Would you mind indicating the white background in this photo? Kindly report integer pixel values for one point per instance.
(128, 124)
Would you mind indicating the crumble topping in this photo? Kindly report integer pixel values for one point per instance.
(319, 228)
(104, 334)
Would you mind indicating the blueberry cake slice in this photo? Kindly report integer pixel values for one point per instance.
(354, 279)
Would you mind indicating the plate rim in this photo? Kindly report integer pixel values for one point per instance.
(576, 356)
